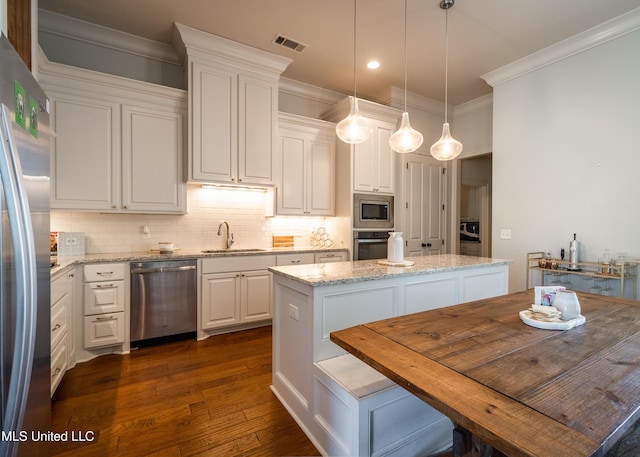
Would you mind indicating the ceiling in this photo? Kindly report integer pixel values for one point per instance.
(483, 35)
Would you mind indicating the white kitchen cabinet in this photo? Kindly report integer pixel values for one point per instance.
(61, 334)
(305, 167)
(235, 291)
(233, 107)
(104, 304)
(374, 161)
(113, 156)
(152, 145)
(371, 164)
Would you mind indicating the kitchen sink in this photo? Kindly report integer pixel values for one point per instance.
(219, 251)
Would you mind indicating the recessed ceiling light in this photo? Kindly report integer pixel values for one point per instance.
(373, 65)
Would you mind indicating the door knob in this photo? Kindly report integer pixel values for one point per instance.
(426, 245)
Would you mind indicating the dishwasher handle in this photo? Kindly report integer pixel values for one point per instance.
(162, 269)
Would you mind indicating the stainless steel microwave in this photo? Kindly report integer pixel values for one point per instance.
(372, 211)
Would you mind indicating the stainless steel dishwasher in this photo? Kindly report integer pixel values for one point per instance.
(163, 301)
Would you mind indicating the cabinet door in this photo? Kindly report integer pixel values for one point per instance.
(84, 153)
(256, 296)
(257, 121)
(152, 160)
(320, 188)
(213, 124)
(374, 162)
(291, 173)
(220, 298)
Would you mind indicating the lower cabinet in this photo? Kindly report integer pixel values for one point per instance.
(235, 298)
(61, 335)
(104, 304)
(235, 291)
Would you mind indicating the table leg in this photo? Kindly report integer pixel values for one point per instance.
(466, 444)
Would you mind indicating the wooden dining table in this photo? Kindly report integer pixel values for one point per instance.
(510, 387)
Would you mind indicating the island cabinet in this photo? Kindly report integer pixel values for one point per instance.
(233, 109)
(118, 143)
(339, 401)
(305, 166)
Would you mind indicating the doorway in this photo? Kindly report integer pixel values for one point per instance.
(475, 202)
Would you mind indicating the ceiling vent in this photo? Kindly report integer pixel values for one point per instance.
(287, 42)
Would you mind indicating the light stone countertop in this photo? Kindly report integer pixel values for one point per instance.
(368, 270)
(67, 261)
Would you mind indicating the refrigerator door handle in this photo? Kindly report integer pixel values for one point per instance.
(23, 245)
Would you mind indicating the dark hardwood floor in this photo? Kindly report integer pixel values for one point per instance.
(187, 398)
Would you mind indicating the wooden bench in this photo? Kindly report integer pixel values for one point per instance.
(367, 414)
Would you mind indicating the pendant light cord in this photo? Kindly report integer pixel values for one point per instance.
(446, 64)
(355, 10)
(405, 56)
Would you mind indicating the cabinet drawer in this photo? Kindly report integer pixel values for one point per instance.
(294, 259)
(103, 330)
(58, 365)
(59, 287)
(239, 263)
(103, 272)
(59, 320)
(103, 297)
(328, 257)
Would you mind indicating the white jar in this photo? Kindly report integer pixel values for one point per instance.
(395, 249)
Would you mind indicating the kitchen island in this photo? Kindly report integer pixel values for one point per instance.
(344, 406)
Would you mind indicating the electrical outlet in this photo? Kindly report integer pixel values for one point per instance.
(293, 312)
(146, 232)
(505, 234)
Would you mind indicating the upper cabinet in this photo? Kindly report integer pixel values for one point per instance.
(117, 145)
(305, 167)
(371, 163)
(233, 108)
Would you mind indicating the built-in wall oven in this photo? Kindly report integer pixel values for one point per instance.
(372, 211)
(370, 245)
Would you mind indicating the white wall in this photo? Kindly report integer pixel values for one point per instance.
(566, 156)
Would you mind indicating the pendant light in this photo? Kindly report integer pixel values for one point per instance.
(446, 148)
(354, 128)
(405, 139)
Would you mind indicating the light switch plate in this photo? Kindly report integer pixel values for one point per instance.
(505, 234)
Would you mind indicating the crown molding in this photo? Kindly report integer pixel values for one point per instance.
(308, 91)
(68, 79)
(477, 104)
(595, 36)
(193, 42)
(97, 35)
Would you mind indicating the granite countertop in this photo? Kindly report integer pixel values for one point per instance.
(367, 270)
(67, 261)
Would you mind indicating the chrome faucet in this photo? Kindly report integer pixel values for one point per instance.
(229, 235)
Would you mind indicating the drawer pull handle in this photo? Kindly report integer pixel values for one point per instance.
(105, 273)
(56, 327)
(56, 373)
(295, 261)
(104, 286)
(104, 318)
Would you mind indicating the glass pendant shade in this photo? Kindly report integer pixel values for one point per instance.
(405, 139)
(446, 148)
(353, 129)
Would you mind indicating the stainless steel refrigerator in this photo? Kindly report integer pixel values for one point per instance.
(24, 252)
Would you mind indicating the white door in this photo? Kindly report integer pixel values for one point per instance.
(424, 205)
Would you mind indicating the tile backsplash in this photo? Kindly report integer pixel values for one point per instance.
(207, 208)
